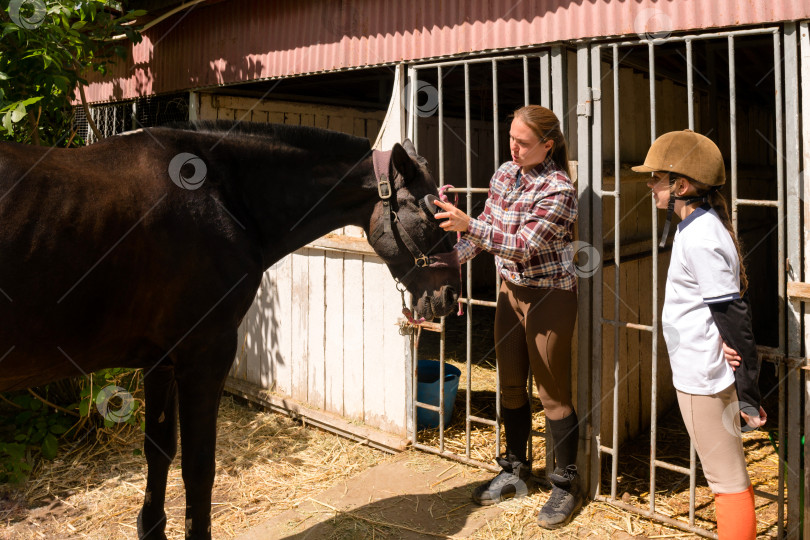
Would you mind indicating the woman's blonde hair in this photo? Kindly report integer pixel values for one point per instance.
(718, 203)
(545, 124)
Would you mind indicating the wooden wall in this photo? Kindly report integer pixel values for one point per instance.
(322, 331)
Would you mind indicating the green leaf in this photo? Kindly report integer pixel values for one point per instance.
(18, 113)
(78, 25)
(49, 446)
(137, 452)
(3, 76)
(36, 404)
(84, 408)
(58, 429)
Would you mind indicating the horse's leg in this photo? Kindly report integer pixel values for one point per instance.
(160, 447)
(200, 391)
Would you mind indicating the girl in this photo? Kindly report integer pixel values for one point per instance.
(703, 307)
(528, 224)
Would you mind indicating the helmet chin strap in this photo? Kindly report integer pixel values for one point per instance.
(671, 207)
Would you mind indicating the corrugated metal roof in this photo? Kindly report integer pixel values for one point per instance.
(239, 41)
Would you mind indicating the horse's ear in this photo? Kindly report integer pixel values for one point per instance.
(409, 147)
(403, 162)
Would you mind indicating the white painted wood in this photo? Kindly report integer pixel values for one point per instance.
(333, 348)
(374, 345)
(299, 325)
(353, 336)
(280, 327)
(316, 336)
(396, 356)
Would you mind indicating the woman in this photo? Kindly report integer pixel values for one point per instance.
(528, 224)
(704, 306)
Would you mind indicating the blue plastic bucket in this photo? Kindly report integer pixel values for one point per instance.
(427, 391)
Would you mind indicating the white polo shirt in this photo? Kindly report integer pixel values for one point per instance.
(703, 269)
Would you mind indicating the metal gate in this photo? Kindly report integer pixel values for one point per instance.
(543, 79)
(787, 329)
(598, 130)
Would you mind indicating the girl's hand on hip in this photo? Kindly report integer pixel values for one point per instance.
(731, 356)
(454, 219)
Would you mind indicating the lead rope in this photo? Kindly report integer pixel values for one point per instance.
(443, 197)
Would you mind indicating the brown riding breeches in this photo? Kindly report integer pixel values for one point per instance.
(533, 327)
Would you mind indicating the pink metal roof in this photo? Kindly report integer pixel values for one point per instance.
(242, 40)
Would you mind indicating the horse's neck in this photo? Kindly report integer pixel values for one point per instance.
(320, 203)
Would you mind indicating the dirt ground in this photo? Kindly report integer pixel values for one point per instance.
(269, 464)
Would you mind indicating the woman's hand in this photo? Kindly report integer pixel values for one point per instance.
(755, 421)
(454, 219)
(731, 356)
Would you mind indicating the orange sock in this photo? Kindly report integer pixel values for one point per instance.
(736, 519)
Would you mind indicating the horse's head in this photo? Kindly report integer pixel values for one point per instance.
(407, 237)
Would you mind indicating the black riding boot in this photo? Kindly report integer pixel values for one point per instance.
(513, 481)
(566, 494)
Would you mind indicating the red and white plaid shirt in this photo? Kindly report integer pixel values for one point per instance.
(528, 224)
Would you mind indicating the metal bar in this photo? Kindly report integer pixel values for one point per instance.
(525, 81)
(545, 78)
(678, 524)
(480, 420)
(440, 91)
(559, 85)
(473, 302)
(793, 344)
(428, 406)
(414, 104)
(467, 61)
(624, 324)
(584, 298)
(757, 202)
(594, 426)
(441, 387)
(456, 457)
(468, 163)
(804, 265)
(690, 85)
(467, 190)
(780, 452)
(675, 468)
(614, 464)
(698, 37)
(732, 116)
(607, 449)
(495, 126)
(654, 368)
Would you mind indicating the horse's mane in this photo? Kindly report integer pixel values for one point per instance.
(311, 138)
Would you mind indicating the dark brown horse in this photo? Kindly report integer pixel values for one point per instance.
(146, 250)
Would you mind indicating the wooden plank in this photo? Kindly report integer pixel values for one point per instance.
(798, 291)
(374, 360)
(324, 420)
(353, 336)
(316, 376)
(255, 350)
(280, 326)
(343, 243)
(608, 338)
(397, 348)
(334, 332)
(299, 326)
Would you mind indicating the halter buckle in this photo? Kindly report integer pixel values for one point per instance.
(384, 187)
(422, 262)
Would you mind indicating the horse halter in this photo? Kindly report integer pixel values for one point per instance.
(382, 168)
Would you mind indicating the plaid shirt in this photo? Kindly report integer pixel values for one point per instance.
(528, 224)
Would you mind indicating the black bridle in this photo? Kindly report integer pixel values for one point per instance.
(391, 222)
